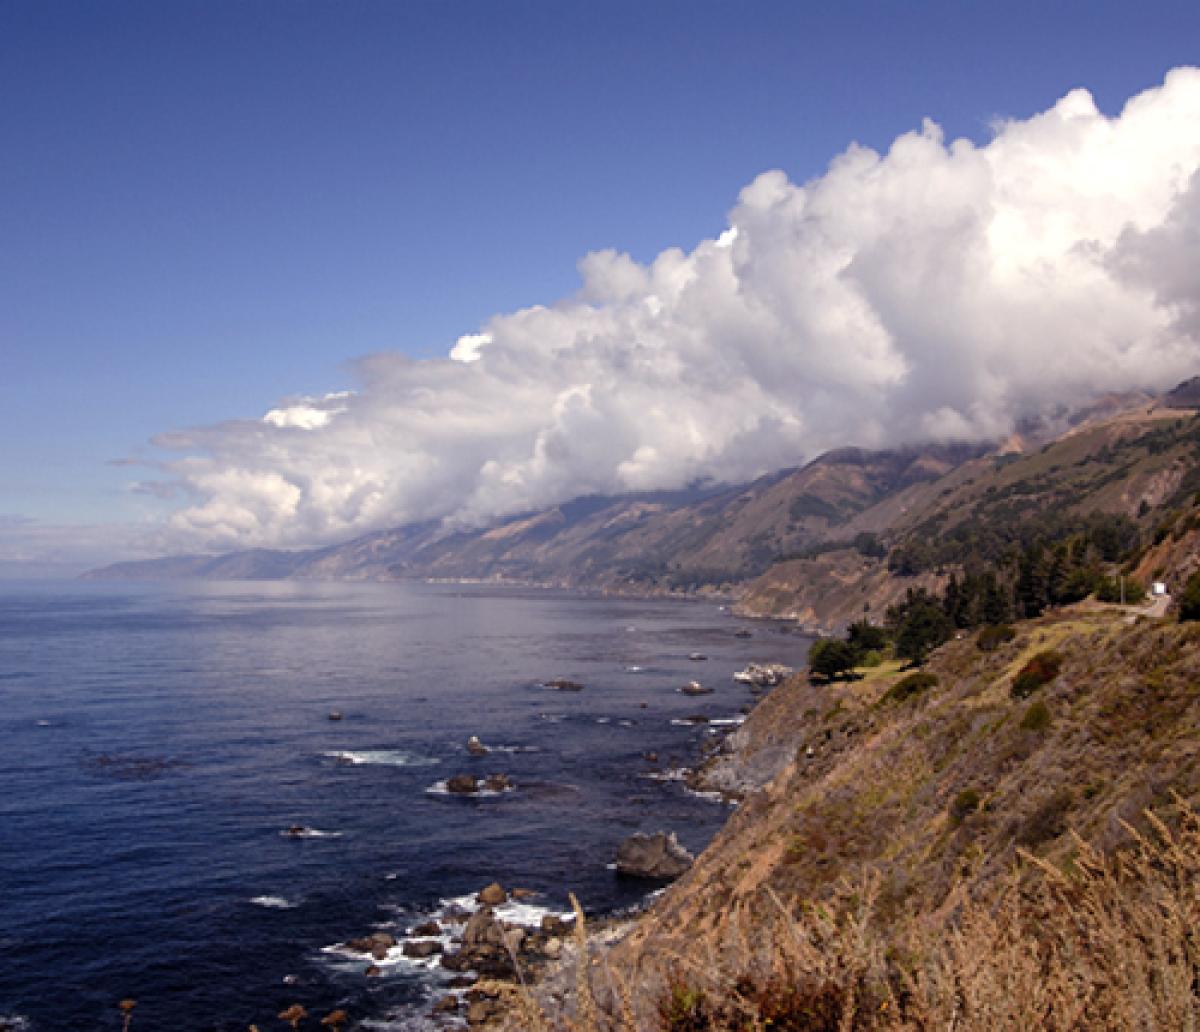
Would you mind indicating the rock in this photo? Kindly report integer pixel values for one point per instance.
(475, 747)
(335, 714)
(697, 657)
(743, 634)
(493, 896)
(296, 831)
(482, 929)
(460, 961)
(446, 1005)
(513, 938)
(497, 782)
(524, 894)
(658, 856)
(422, 948)
(379, 951)
(695, 688)
(554, 925)
(480, 1011)
(463, 784)
(427, 929)
(561, 684)
(553, 948)
(461, 982)
(650, 757)
(373, 972)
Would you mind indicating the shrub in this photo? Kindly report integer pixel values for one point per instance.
(1048, 821)
(1037, 717)
(1040, 670)
(993, 636)
(1189, 600)
(910, 685)
(964, 804)
(1109, 590)
(684, 1009)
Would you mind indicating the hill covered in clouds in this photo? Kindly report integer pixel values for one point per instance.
(941, 291)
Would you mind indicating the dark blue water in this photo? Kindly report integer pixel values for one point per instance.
(157, 740)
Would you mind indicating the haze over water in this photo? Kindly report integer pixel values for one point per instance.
(159, 738)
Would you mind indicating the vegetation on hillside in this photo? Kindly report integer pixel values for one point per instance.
(948, 850)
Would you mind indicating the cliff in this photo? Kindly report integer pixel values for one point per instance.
(894, 828)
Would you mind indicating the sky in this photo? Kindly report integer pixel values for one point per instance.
(238, 241)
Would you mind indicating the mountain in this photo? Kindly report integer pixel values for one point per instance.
(852, 530)
(703, 538)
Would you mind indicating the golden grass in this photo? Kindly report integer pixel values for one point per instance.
(1112, 945)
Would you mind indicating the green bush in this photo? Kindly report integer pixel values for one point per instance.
(1109, 590)
(1040, 670)
(910, 685)
(830, 658)
(1189, 600)
(964, 804)
(1037, 717)
(993, 636)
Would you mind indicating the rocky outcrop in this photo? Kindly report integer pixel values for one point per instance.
(658, 856)
(462, 784)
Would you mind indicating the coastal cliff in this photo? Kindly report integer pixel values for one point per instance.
(882, 830)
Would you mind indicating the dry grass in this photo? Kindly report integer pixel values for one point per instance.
(1113, 944)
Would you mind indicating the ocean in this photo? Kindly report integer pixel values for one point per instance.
(160, 740)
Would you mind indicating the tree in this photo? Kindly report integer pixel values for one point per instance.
(921, 626)
(831, 658)
(863, 637)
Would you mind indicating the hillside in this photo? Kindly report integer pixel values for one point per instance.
(892, 828)
(703, 539)
(850, 532)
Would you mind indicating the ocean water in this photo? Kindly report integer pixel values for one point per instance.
(159, 740)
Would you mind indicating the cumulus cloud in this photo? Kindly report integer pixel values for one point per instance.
(941, 290)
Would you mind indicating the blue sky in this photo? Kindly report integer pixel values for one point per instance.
(207, 206)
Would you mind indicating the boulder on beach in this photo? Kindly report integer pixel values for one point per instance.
(493, 896)
(475, 747)
(462, 784)
(658, 856)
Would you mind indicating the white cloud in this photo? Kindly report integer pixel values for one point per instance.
(940, 289)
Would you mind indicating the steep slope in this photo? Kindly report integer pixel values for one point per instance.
(900, 811)
(1141, 464)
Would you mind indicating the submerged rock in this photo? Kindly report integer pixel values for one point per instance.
(658, 856)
